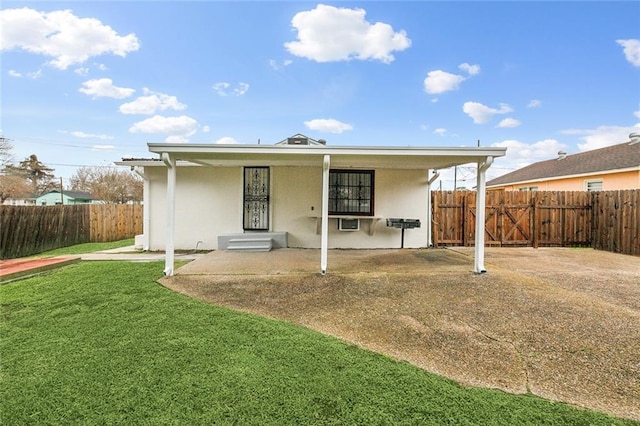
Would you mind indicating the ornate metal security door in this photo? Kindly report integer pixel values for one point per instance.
(256, 199)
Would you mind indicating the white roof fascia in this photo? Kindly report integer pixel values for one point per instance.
(342, 156)
(547, 179)
(151, 163)
(325, 150)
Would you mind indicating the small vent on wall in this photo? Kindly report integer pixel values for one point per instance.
(297, 141)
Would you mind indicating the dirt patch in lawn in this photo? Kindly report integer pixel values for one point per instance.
(561, 323)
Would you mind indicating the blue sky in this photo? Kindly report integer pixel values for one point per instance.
(87, 83)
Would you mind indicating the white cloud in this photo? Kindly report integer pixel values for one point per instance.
(223, 88)
(35, 75)
(328, 33)
(637, 113)
(241, 89)
(534, 103)
(206, 129)
(440, 131)
(509, 122)
(226, 140)
(470, 69)
(520, 154)
(602, 136)
(328, 125)
(278, 66)
(104, 88)
(439, 81)
(183, 126)
(84, 135)
(631, 49)
(103, 147)
(14, 73)
(62, 36)
(481, 113)
(81, 71)
(151, 103)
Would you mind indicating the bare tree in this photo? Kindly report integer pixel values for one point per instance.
(6, 156)
(107, 184)
(40, 177)
(82, 179)
(14, 186)
(13, 180)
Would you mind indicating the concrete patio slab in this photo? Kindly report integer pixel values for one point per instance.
(288, 261)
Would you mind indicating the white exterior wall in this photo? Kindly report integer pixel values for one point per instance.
(209, 203)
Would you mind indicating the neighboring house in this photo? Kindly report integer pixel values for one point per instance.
(20, 202)
(54, 197)
(296, 193)
(611, 168)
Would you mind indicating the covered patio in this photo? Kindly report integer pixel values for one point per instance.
(427, 160)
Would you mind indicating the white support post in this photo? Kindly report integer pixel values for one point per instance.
(429, 224)
(146, 206)
(171, 214)
(480, 215)
(324, 234)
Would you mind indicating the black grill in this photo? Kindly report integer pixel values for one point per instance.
(403, 224)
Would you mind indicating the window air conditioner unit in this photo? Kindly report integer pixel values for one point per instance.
(349, 224)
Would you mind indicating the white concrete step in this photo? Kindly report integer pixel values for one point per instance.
(250, 244)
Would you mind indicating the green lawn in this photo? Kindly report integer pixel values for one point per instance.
(86, 248)
(103, 343)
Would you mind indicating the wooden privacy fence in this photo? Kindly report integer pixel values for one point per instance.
(608, 220)
(27, 230)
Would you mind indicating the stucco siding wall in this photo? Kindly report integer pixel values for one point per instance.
(297, 201)
(296, 195)
(610, 182)
(209, 203)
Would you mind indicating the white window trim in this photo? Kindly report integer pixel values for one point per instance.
(590, 181)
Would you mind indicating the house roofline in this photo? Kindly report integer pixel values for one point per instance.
(321, 150)
(552, 178)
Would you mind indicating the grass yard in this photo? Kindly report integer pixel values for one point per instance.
(103, 343)
(86, 248)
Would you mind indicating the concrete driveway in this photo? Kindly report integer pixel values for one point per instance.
(560, 323)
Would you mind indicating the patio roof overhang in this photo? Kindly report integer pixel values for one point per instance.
(227, 155)
(427, 158)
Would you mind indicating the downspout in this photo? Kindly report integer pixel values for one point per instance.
(324, 236)
(146, 214)
(480, 215)
(171, 213)
(429, 224)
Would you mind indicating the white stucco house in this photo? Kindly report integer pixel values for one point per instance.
(299, 192)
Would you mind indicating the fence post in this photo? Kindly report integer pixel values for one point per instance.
(465, 233)
(534, 219)
(434, 217)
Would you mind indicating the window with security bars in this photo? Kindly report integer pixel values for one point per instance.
(351, 192)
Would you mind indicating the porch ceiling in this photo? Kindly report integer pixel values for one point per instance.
(341, 156)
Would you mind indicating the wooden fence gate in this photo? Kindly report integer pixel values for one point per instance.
(607, 220)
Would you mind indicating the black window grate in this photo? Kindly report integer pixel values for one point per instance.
(351, 192)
